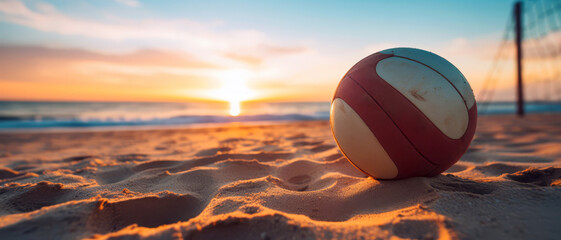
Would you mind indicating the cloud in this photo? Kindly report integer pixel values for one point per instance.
(47, 18)
(130, 3)
(200, 40)
(181, 33)
(33, 72)
(40, 64)
(159, 50)
(142, 57)
(247, 59)
(283, 50)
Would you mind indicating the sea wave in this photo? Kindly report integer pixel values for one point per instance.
(35, 121)
(45, 115)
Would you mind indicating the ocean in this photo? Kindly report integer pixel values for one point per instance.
(17, 115)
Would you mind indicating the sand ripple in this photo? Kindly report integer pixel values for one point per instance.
(273, 182)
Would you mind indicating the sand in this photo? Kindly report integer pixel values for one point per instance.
(282, 181)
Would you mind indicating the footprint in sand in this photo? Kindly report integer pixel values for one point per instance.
(27, 198)
(151, 211)
(300, 175)
(300, 179)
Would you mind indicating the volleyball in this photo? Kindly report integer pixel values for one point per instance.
(403, 112)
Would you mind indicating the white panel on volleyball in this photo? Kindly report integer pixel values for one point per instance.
(441, 65)
(358, 143)
(429, 92)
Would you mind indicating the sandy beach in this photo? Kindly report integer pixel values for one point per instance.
(282, 181)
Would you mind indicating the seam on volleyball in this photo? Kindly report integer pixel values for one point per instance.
(423, 115)
(391, 119)
(462, 96)
(420, 111)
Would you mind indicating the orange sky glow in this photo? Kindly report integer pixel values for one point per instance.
(49, 53)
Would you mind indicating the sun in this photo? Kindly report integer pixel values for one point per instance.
(235, 108)
(234, 90)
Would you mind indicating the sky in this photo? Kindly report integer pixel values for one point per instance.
(135, 50)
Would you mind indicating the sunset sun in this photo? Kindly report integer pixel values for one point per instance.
(234, 108)
(234, 90)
